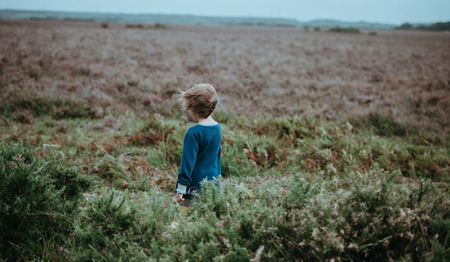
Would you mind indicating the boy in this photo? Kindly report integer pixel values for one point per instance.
(201, 147)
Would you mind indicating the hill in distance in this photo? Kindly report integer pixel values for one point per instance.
(183, 19)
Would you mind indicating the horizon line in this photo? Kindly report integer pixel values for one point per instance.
(222, 16)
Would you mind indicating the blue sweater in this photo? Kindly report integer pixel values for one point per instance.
(201, 157)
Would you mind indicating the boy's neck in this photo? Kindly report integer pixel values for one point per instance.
(208, 120)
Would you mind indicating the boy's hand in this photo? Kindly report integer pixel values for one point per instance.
(180, 198)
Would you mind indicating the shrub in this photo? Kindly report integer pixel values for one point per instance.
(105, 232)
(226, 225)
(372, 219)
(39, 200)
(234, 160)
(160, 26)
(345, 30)
(32, 105)
(438, 26)
(165, 141)
(112, 171)
(154, 132)
(402, 147)
(382, 125)
(369, 218)
(406, 26)
(140, 26)
(113, 227)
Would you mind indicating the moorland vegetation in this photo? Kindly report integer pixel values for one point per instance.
(335, 146)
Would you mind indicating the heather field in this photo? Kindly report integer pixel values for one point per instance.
(335, 145)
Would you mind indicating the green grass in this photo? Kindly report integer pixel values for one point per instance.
(299, 186)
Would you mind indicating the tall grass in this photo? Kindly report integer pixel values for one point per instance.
(319, 161)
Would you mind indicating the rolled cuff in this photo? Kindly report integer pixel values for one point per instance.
(181, 188)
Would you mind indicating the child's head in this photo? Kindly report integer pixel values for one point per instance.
(200, 100)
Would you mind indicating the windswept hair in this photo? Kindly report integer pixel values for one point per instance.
(201, 99)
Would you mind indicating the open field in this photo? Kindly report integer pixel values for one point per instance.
(334, 145)
(263, 71)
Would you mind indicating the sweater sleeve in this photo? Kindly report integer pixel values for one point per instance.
(188, 158)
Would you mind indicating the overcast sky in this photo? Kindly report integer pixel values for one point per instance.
(383, 11)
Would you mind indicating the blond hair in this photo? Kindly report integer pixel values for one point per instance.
(201, 99)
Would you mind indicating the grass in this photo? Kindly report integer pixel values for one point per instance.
(319, 160)
(295, 167)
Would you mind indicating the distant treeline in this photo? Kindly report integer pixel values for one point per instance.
(184, 19)
(433, 27)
